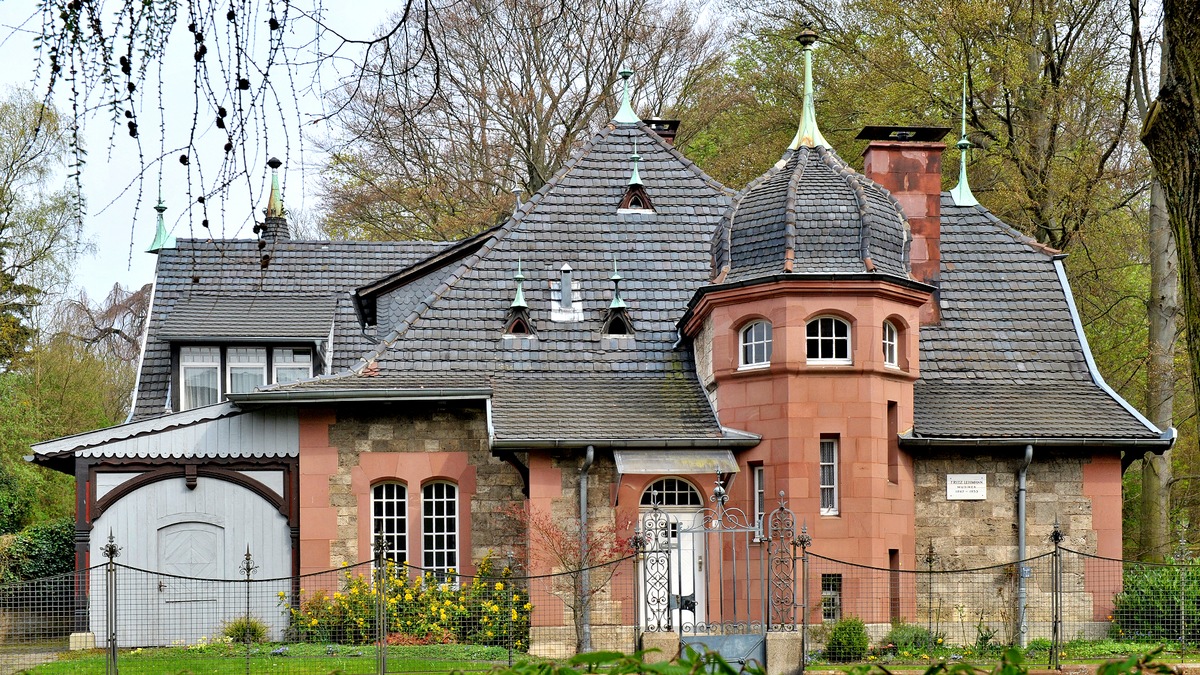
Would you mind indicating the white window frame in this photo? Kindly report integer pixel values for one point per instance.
(683, 494)
(759, 475)
(828, 485)
(891, 345)
(230, 365)
(429, 550)
(189, 361)
(750, 343)
(821, 322)
(277, 364)
(396, 542)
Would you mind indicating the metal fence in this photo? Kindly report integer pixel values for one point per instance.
(374, 617)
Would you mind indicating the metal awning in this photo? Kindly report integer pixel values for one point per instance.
(675, 461)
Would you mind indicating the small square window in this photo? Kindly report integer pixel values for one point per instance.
(827, 341)
(831, 597)
(247, 369)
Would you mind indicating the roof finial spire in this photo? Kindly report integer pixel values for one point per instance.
(275, 201)
(808, 135)
(617, 302)
(635, 178)
(519, 298)
(626, 115)
(161, 238)
(961, 193)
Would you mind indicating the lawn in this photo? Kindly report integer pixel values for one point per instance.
(302, 659)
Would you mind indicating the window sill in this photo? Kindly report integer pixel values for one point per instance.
(754, 366)
(828, 362)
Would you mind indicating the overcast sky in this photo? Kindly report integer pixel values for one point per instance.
(110, 178)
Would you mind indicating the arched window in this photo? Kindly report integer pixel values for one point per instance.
(439, 526)
(828, 340)
(389, 519)
(671, 492)
(756, 345)
(890, 345)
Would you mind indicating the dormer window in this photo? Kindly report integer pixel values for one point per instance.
(209, 373)
(828, 341)
(247, 369)
(292, 365)
(756, 345)
(617, 323)
(636, 201)
(200, 371)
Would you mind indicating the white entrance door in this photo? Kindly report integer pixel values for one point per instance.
(190, 557)
(672, 571)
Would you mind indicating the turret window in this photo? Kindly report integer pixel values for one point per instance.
(890, 342)
(828, 341)
(756, 345)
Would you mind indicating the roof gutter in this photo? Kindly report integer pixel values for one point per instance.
(1058, 442)
(625, 443)
(335, 396)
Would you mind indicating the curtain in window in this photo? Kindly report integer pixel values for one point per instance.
(199, 387)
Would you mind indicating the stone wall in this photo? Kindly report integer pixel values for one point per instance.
(416, 442)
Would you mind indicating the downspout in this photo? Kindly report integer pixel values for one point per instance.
(585, 576)
(1022, 569)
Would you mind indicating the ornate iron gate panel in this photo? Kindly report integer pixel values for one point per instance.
(740, 572)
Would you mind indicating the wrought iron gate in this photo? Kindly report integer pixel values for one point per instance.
(722, 580)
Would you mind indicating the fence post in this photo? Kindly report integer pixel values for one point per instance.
(1181, 559)
(110, 551)
(510, 565)
(1056, 536)
(248, 568)
(803, 541)
(381, 628)
(929, 560)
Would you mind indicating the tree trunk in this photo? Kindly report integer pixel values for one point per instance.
(1171, 134)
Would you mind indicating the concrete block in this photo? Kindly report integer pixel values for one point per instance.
(666, 643)
(79, 641)
(784, 652)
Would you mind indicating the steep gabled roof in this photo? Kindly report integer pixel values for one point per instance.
(599, 384)
(317, 275)
(1008, 358)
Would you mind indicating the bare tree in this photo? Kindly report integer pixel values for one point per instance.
(519, 83)
(113, 327)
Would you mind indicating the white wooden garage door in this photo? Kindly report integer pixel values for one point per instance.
(191, 539)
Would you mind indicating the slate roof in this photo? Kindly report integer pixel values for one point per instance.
(813, 209)
(317, 275)
(260, 316)
(568, 382)
(1006, 359)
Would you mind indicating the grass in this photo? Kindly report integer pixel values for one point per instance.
(302, 659)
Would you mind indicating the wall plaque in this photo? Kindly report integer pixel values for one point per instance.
(966, 486)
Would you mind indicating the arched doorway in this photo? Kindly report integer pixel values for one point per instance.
(671, 516)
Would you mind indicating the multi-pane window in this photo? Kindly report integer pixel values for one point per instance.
(756, 344)
(889, 345)
(389, 519)
(829, 476)
(200, 374)
(247, 368)
(291, 365)
(828, 340)
(760, 497)
(831, 597)
(439, 527)
(671, 492)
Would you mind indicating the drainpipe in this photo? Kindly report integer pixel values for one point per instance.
(1022, 569)
(585, 615)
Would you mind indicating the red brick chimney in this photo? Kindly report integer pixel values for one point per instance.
(907, 161)
(666, 129)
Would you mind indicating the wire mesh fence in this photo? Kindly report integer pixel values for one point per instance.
(366, 618)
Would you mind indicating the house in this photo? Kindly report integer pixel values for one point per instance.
(905, 368)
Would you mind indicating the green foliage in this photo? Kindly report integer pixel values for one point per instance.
(245, 630)
(690, 662)
(478, 611)
(38, 551)
(1153, 601)
(910, 637)
(848, 641)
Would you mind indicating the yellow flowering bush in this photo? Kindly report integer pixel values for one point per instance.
(488, 609)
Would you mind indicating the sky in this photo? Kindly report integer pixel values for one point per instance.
(118, 225)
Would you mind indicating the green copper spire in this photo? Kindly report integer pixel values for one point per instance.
(275, 201)
(617, 302)
(519, 298)
(962, 192)
(161, 238)
(626, 115)
(808, 135)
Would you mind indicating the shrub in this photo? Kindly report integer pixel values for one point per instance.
(245, 630)
(42, 550)
(909, 637)
(847, 641)
(1149, 608)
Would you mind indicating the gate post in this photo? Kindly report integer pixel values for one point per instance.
(248, 568)
(803, 541)
(110, 551)
(1056, 596)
